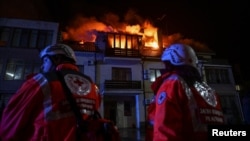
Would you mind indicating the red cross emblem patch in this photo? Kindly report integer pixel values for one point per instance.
(77, 84)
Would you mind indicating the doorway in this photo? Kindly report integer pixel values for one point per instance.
(110, 110)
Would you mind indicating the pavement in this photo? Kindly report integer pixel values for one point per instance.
(132, 134)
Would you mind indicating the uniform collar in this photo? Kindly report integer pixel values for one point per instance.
(67, 66)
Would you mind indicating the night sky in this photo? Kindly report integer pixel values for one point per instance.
(220, 24)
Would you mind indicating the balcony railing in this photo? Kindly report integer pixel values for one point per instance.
(119, 84)
(117, 52)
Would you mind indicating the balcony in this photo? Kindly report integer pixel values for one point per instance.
(120, 84)
(117, 52)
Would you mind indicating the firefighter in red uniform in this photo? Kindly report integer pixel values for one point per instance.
(39, 110)
(185, 105)
(151, 110)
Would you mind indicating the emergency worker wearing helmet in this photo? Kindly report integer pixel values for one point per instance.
(39, 110)
(184, 104)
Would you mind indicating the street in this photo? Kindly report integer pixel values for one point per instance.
(132, 134)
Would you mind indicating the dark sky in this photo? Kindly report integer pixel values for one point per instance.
(220, 24)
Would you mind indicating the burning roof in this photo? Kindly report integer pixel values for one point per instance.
(85, 29)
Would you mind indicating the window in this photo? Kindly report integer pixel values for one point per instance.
(26, 38)
(123, 41)
(124, 44)
(18, 69)
(121, 73)
(117, 41)
(153, 74)
(33, 38)
(16, 37)
(4, 35)
(42, 37)
(135, 42)
(217, 75)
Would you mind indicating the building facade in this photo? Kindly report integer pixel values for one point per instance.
(20, 45)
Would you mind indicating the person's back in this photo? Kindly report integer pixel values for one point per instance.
(39, 110)
(184, 104)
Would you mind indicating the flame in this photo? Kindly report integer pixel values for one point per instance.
(84, 29)
(150, 35)
(133, 29)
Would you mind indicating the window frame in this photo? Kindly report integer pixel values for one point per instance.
(119, 73)
(14, 63)
(216, 74)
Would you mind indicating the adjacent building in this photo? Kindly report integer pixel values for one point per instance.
(20, 44)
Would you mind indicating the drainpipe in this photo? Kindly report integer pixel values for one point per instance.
(143, 88)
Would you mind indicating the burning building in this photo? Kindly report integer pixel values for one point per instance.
(131, 62)
(135, 40)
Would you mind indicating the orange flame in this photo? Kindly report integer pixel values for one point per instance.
(150, 35)
(85, 30)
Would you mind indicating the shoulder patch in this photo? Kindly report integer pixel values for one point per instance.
(78, 84)
(162, 97)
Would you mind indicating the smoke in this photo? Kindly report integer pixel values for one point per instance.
(179, 38)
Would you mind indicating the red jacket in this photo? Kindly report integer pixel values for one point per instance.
(183, 113)
(39, 111)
